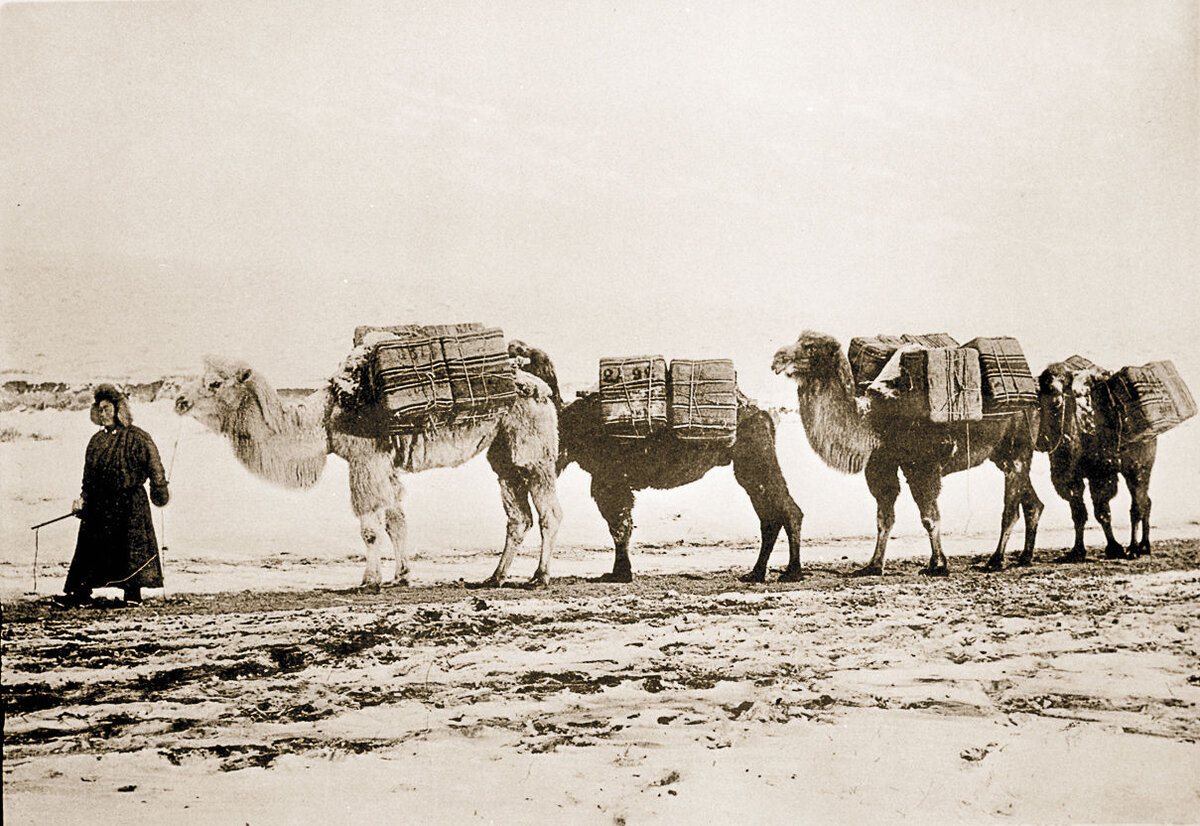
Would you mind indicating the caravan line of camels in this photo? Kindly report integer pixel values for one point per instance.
(532, 440)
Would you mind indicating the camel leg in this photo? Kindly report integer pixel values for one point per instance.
(373, 486)
(1138, 482)
(397, 529)
(373, 527)
(756, 469)
(1070, 487)
(884, 484)
(926, 484)
(1104, 488)
(1016, 481)
(514, 494)
(544, 494)
(614, 498)
(1032, 507)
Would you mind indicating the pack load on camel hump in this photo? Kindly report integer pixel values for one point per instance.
(1008, 385)
(633, 395)
(868, 355)
(939, 384)
(1149, 400)
(703, 399)
(697, 398)
(426, 376)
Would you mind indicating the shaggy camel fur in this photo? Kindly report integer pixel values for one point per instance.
(619, 467)
(288, 445)
(851, 438)
(1078, 432)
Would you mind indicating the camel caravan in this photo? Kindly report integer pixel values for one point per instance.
(410, 398)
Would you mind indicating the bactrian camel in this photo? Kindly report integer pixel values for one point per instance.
(1079, 433)
(288, 445)
(619, 467)
(851, 439)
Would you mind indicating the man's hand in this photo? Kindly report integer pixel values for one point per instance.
(77, 506)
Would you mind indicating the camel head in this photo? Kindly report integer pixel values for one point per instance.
(287, 446)
(1056, 403)
(225, 393)
(535, 362)
(1065, 401)
(815, 359)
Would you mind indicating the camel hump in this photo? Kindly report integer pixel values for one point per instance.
(530, 386)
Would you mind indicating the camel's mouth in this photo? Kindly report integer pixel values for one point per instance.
(183, 405)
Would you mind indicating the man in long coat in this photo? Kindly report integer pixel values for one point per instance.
(116, 547)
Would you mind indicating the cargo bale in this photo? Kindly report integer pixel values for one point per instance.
(1081, 364)
(409, 376)
(633, 395)
(1149, 400)
(1008, 384)
(930, 340)
(481, 375)
(416, 330)
(703, 400)
(868, 355)
(940, 385)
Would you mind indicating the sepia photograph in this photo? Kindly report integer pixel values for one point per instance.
(556, 412)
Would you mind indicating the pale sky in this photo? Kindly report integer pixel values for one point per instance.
(599, 179)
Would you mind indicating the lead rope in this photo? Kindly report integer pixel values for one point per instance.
(967, 527)
(162, 512)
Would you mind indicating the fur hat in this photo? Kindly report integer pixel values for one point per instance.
(111, 393)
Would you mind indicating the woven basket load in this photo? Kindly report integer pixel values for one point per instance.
(941, 385)
(928, 340)
(444, 374)
(1008, 384)
(633, 396)
(868, 355)
(703, 400)
(1149, 400)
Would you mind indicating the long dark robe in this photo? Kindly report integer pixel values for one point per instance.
(116, 545)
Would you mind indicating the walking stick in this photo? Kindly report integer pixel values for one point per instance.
(52, 521)
(34, 528)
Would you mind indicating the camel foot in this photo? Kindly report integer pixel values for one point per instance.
(940, 570)
(868, 570)
(1025, 560)
(1075, 555)
(616, 576)
(540, 579)
(1138, 550)
(994, 564)
(790, 574)
(1115, 551)
(371, 587)
(490, 582)
(754, 576)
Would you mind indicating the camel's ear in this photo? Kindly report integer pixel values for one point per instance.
(243, 375)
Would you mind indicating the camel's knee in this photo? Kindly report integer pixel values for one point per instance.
(549, 520)
(369, 534)
(520, 523)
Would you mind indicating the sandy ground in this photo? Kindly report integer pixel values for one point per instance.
(262, 687)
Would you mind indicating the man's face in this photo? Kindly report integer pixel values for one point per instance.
(107, 413)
